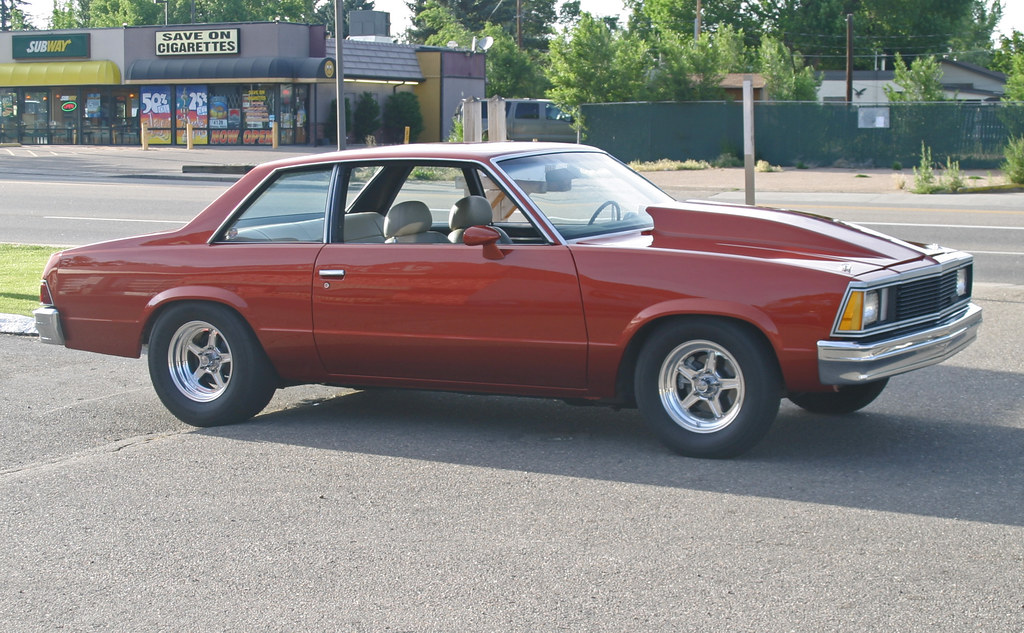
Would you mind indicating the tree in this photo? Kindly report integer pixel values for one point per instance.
(786, 78)
(1009, 48)
(12, 16)
(921, 82)
(537, 18)
(588, 63)
(1015, 80)
(324, 13)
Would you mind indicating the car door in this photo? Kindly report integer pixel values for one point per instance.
(444, 314)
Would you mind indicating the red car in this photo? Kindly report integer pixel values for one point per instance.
(512, 268)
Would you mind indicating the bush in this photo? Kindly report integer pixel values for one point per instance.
(1013, 166)
(331, 126)
(402, 110)
(366, 118)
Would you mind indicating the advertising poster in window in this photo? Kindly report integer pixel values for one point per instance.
(256, 108)
(192, 108)
(156, 114)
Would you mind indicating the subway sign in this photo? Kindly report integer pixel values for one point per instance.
(49, 46)
(204, 42)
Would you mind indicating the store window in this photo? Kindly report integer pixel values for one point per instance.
(8, 115)
(225, 115)
(66, 111)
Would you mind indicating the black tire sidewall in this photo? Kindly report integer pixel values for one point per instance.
(252, 383)
(762, 386)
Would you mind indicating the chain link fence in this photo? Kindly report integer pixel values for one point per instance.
(812, 134)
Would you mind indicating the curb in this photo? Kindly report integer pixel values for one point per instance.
(17, 324)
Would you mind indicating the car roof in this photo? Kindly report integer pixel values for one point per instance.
(435, 151)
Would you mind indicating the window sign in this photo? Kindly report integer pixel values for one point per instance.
(156, 113)
(192, 108)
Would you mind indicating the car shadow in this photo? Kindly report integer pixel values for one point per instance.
(927, 446)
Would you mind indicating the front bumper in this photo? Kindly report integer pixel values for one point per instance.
(48, 325)
(847, 363)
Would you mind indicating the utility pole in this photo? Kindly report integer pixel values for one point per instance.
(339, 70)
(519, 24)
(849, 57)
(696, 23)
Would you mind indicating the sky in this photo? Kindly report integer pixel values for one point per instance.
(1013, 12)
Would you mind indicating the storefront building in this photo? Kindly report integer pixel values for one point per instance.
(230, 84)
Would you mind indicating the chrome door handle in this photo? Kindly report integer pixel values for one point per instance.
(332, 273)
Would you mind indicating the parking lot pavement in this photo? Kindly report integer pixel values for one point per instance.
(380, 510)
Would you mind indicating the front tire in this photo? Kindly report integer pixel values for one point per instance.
(846, 399)
(207, 366)
(708, 388)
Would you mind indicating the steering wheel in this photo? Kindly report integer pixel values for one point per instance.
(616, 210)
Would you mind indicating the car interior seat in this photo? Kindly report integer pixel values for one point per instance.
(471, 211)
(409, 222)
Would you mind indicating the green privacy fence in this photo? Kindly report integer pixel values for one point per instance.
(816, 134)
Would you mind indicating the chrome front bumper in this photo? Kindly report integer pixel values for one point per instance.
(847, 363)
(48, 325)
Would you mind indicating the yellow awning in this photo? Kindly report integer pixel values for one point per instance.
(93, 73)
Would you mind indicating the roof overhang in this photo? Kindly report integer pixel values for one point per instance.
(234, 70)
(89, 73)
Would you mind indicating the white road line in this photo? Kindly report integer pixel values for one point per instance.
(72, 217)
(943, 226)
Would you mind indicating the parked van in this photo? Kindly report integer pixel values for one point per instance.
(532, 120)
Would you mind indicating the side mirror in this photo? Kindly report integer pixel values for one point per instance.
(486, 237)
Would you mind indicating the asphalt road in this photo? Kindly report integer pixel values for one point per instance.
(383, 510)
(411, 511)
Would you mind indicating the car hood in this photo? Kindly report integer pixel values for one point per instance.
(764, 232)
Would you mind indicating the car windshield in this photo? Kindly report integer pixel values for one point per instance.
(585, 193)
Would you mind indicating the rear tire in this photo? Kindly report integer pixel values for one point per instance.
(708, 388)
(847, 399)
(207, 366)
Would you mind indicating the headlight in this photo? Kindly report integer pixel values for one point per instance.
(961, 282)
(863, 308)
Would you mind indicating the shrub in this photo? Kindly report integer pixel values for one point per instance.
(924, 177)
(952, 178)
(366, 118)
(1013, 166)
(402, 110)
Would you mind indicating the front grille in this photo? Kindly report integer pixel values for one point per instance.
(923, 297)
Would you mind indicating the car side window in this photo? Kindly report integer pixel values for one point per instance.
(291, 208)
(438, 187)
(528, 111)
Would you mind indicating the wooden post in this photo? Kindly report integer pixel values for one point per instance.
(188, 136)
(273, 134)
(407, 135)
(144, 134)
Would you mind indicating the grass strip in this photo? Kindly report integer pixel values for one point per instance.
(21, 268)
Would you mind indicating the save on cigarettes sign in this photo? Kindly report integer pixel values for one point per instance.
(196, 42)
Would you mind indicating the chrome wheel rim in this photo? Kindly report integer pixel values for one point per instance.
(199, 359)
(701, 386)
